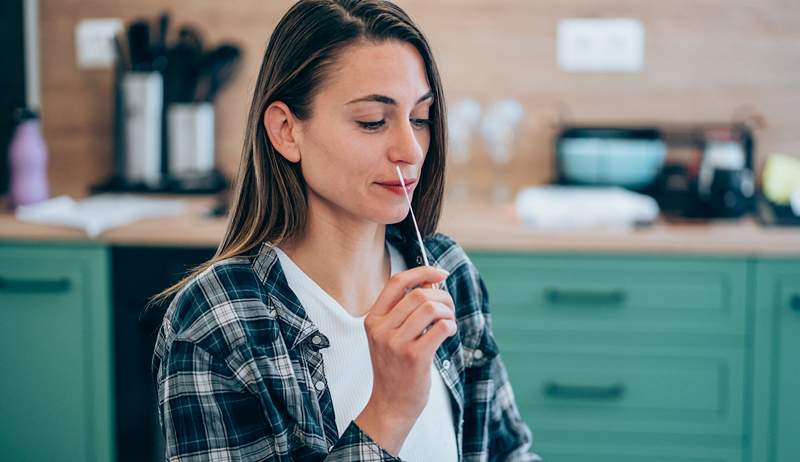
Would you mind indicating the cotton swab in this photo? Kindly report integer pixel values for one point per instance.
(414, 220)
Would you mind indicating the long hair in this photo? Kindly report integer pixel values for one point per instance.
(269, 197)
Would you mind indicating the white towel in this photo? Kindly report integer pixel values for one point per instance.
(578, 207)
(97, 213)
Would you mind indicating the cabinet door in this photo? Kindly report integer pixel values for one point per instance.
(552, 296)
(776, 407)
(55, 394)
(624, 357)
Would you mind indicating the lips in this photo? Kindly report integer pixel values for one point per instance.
(395, 186)
(409, 182)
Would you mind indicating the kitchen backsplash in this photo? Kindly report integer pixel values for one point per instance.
(704, 60)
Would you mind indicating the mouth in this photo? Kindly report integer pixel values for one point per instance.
(397, 188)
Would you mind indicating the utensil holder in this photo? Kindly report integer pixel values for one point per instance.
(191, 140)
(143, 95)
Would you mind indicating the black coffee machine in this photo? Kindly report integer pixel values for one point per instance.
(713, 178)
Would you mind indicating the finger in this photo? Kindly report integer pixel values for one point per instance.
(412, 300)
(403, 281)
(433, 338)
(424, 315)
(435, 285)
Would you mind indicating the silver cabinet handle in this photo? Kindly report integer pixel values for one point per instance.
(34, 285)
(598, 392)
(556, 296)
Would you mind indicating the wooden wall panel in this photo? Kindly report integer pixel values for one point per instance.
(704, 59)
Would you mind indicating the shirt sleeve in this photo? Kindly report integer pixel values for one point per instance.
(354, 444)
(207, 414)
(510, 437)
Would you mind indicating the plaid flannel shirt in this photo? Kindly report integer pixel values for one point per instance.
(240, 376)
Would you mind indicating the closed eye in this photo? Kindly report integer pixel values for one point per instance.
(422, 123)
(374, 126)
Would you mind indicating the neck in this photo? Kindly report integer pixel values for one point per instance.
(346, 257)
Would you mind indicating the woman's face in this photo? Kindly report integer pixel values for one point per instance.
(370, 115)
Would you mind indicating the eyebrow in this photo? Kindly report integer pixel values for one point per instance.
(387, 100)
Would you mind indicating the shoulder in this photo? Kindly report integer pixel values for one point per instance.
(465, 286)
(218, 309)
(451, 257)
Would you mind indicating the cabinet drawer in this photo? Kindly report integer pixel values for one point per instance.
(626, 391)
(604, 294)
(55, 399)
(581, 451)
(32, 280)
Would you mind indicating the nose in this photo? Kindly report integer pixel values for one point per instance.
(405, 147)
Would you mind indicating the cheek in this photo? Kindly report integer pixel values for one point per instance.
(338, 168)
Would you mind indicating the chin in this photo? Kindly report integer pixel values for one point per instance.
(388, 215)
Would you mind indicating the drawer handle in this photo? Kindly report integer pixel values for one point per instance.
(556, 296)
(561, 391)
(795, 302)
(34, 285)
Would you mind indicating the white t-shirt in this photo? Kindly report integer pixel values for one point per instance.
(348, 368)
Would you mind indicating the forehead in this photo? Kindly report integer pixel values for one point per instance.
(391, 68)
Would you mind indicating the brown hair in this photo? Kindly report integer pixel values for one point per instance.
(269, 197)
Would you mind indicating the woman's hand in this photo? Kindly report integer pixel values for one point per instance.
(402, 349)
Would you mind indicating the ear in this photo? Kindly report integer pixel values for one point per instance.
(282, 129)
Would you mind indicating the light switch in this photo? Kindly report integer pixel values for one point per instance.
(94, 42)
(600, 45)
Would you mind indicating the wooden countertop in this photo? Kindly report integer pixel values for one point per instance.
(476, 226)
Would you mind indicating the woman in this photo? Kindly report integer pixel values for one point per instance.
(307, 336)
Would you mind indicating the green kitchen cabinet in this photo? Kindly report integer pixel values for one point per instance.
(776, 377)
(625, 358)
(55, 353)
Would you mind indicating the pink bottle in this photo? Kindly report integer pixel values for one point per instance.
(27, 155)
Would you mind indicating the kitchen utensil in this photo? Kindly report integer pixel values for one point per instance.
(160, 43)
(685, 189)
(183, 61)
(725, 181)
(192, 38)
(730, 192)
(123, 61)
(139, 46)
(216, 68)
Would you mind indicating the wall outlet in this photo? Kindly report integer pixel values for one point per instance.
(600, 45)
(94, 43)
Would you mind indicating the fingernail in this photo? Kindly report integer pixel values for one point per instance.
(446, 273)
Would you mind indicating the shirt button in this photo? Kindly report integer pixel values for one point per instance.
(478, 354)
(316, 340)
(330, 449)
(420, 260)
(446, 364)
(320, 385)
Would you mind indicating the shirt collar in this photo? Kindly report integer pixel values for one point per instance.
(293, 320)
